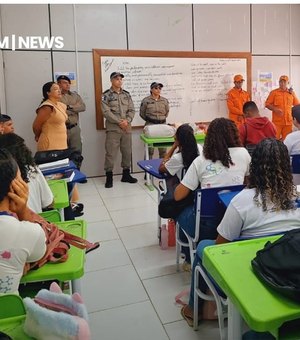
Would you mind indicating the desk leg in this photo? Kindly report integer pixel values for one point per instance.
(148, 182)
(158, 217)
(76, 286)
(62, 215)
(234, 323)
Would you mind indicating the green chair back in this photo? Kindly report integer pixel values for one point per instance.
(51, 215)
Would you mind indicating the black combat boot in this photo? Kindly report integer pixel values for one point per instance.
(109, 179)
(127, 177)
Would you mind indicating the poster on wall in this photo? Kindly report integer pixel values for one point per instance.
(70, 75)
(261, 88)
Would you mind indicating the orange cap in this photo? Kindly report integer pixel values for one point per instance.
(238, 77)
(285, 78)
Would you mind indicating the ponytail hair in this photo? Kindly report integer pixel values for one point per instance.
(46, 89)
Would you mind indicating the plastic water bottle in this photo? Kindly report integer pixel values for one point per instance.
(164, 237)
(171, 233)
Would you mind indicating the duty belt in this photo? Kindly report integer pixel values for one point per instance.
(155, 121)
(70, 126)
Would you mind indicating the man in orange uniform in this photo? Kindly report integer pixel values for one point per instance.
(236, 98)
(280, 102)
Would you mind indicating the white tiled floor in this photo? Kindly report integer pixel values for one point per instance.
(130, 283)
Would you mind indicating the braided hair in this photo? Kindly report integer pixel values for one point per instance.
(8, 172)
(221, 134)
(18, 149)
(187, 144)
(270, 175)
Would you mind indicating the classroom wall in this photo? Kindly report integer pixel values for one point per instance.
(270, 32)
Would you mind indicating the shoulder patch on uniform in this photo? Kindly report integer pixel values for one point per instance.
(103, 97)
(126, 92)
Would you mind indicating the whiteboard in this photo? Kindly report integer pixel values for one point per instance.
(195, 87)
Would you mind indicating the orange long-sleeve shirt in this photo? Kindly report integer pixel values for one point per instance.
(236, 98)
(283, 100)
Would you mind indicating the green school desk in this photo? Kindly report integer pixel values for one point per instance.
(59, 189)
(162, 142)
(262, 308)
(72, 269)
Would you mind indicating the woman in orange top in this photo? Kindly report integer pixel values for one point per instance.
(49, 126)
(50, 130)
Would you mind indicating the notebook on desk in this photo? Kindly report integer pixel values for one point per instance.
(54, 165)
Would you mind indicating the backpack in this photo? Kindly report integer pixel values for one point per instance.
(278, 264)
(58, 243)
(168, 207)
(42, 157)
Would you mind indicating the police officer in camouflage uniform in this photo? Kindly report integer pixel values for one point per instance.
(154, 110)
(75, 105)
(118, 109)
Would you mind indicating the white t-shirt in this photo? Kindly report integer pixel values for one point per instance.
(20, 242)
(244, 218)
(209, 174)
(40, 195)
(175, 165)
(292, 142)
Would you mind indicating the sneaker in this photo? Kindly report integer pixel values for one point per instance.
(77, 207)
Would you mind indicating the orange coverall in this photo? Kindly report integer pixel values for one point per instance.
(236, 98)
(284, 100)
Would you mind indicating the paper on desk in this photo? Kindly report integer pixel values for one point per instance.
(54, 165)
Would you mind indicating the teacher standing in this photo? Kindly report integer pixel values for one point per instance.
(154, 110)
(49, 126)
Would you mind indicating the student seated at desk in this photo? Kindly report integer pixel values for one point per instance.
(255, 127)
(188, 149)
(6, 124)
(20, 241)
(40, 195)
(223, 162)
(292, 140)
(267, 206)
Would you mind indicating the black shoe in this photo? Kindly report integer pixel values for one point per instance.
(77, 207)
(109, 180)
(78, 213)
(127, 177)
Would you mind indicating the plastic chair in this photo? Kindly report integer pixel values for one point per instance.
(217, 296)
(51, 215)
(207, 205)
(12, 316)
(295, 164)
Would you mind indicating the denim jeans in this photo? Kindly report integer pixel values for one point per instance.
(186, 220)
